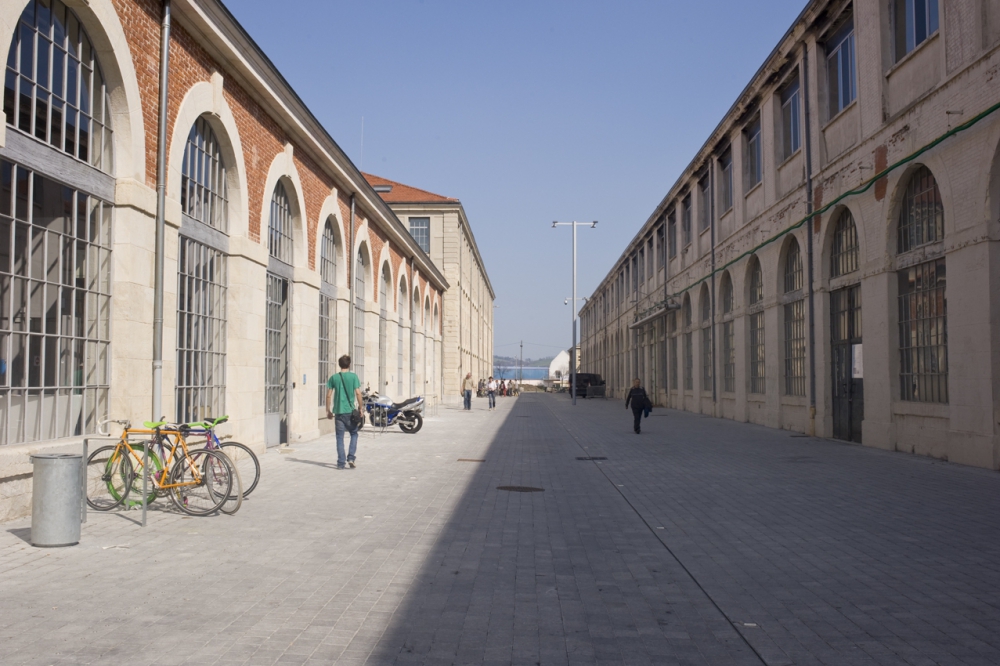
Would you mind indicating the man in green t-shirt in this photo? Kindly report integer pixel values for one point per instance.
(343, 396)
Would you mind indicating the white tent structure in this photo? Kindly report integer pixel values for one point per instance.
(559, 367)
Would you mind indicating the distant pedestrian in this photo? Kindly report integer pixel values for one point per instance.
(491, 393)
(503, 387)
(343, 390)
(467, 386)
(640, 402)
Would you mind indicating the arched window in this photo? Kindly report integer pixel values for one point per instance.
(203, 178)
(360, 280)
(728, 336)
(55, 89)
(414, 319)
(688, 346)
(279, 228)
(328, 254)
(755, 327)
(706, 339)
(401, 306)
(794, 312)
(672, 333)
(428, 370)
(923, 307)
(383, 343)
(844, 254)
(921, 215)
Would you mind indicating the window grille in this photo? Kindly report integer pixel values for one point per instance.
(790, 132)
(726, 180)
(756, 283)
(328, 254)
(688, 361)
(672, 234)
(276, 346)
(55, 308)
(727, 294)
(704, 204)
(420, 229)
(921, 215)
(795, 348)
(672, 331)
(840, 70)
(201, 332)
(706, 358)
(327, 343)
(279, 237)
(383, 343)
(728, 357)
(754, 164)
(793, 267)
(414, 317)
(844, 255)
(659, 246)
(54, 88)
(914, 21)
(399, 336)
(687, 312)
(686, 221)
(706, 306)
(203, 178)
(756, 324)
(358, 361)
(923, 333)
(641, 263)
(635, 273)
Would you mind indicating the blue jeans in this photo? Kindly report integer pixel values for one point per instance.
(493, 399)
(343, 422)
(468, 399)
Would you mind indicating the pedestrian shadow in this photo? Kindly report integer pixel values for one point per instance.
(22, 533)
(313, 462)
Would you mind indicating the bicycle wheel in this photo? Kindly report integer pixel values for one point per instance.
(246, 464)
(234, 500)
(109, 478)
(200, 482)
(155, 473)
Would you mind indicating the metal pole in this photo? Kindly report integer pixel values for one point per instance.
(520, 371)
(161, 192)
(352, 263)
(145, 478)
(83, 484)
(572, 350)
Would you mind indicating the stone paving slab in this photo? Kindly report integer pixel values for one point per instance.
(701, 541)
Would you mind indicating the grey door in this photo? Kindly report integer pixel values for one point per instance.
(276, 362)
(848, 366)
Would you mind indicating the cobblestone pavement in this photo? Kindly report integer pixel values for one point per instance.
(701, 541)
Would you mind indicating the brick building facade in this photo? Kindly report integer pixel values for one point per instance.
(260, 267)
(874, 320)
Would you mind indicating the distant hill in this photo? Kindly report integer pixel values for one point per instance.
(513, 362)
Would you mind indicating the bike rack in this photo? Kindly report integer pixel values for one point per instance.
(83, 471)
(145, 474)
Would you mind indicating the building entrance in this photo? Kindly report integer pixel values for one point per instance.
(848, 363)
(276, 362)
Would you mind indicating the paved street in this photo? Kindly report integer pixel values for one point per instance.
(701, 541)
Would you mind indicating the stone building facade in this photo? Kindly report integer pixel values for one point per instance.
(444, 233)
(828, 261)
(280, 256)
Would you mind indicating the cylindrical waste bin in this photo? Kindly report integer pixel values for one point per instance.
(55, 499)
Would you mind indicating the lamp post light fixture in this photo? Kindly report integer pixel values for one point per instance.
(572, 350)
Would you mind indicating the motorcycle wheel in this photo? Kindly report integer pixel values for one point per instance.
(412, 426)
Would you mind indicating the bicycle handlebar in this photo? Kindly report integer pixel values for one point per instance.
(125, 423)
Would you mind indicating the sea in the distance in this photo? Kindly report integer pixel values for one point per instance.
(508, 372)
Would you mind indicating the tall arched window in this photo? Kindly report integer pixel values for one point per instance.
(360, 280)
(923, 308)
(844, 254)
(688, 346)
(755, 326)
(383, 312)
(728, 335)
(427, 333)
(672, 332)
(279, 228)
(55, 90)
(794, 312)
(401, 301)
(327, 308)
(414, 319)
(706, 339)
(203, 178)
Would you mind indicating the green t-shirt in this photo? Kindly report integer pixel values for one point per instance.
(343, 393)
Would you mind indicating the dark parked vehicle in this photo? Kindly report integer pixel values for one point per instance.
(584, 380)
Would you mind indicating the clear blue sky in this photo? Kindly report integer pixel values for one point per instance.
(528, 112)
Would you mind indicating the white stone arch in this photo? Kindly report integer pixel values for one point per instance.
(385, 266)
(416, 313)
(205, 99)
(427, 313)
(401, 288)
(330, 212)
(437, 319)
(364, 249)
(101, 22)
(283, 170)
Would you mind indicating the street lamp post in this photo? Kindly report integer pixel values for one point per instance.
(572, 350)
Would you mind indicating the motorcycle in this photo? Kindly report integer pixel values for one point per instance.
(384, 413)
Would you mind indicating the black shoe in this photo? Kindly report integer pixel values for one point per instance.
(637, 432)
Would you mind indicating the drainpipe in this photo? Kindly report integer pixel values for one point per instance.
(711, 222)
(161, 194)
(809, 245)
(351, 265)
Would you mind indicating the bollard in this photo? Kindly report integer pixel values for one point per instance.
(55, 500)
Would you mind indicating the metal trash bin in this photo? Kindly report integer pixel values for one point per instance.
(56, 494)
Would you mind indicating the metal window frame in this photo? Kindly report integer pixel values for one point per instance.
(923, 332)
(791, 125)
(728, 357)
(279, 225)
(327, 343)
(921, 212)
(421, 232)
(845, 250)
(204, 192)
(686, 234)
(755, 328)
(276, 354)
(795, 348)
(328, 255)
(360, 283)
(754, 163)
(793, 267)
(840, 51)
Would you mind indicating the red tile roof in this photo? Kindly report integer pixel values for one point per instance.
(404, 193)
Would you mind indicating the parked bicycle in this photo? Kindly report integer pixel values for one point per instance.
(241, 455)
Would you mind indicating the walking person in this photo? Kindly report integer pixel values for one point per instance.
(491, 393)
(343, 396)
(467, 385)
(640, 402)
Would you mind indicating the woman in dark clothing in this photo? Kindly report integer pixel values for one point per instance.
(638, 398)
